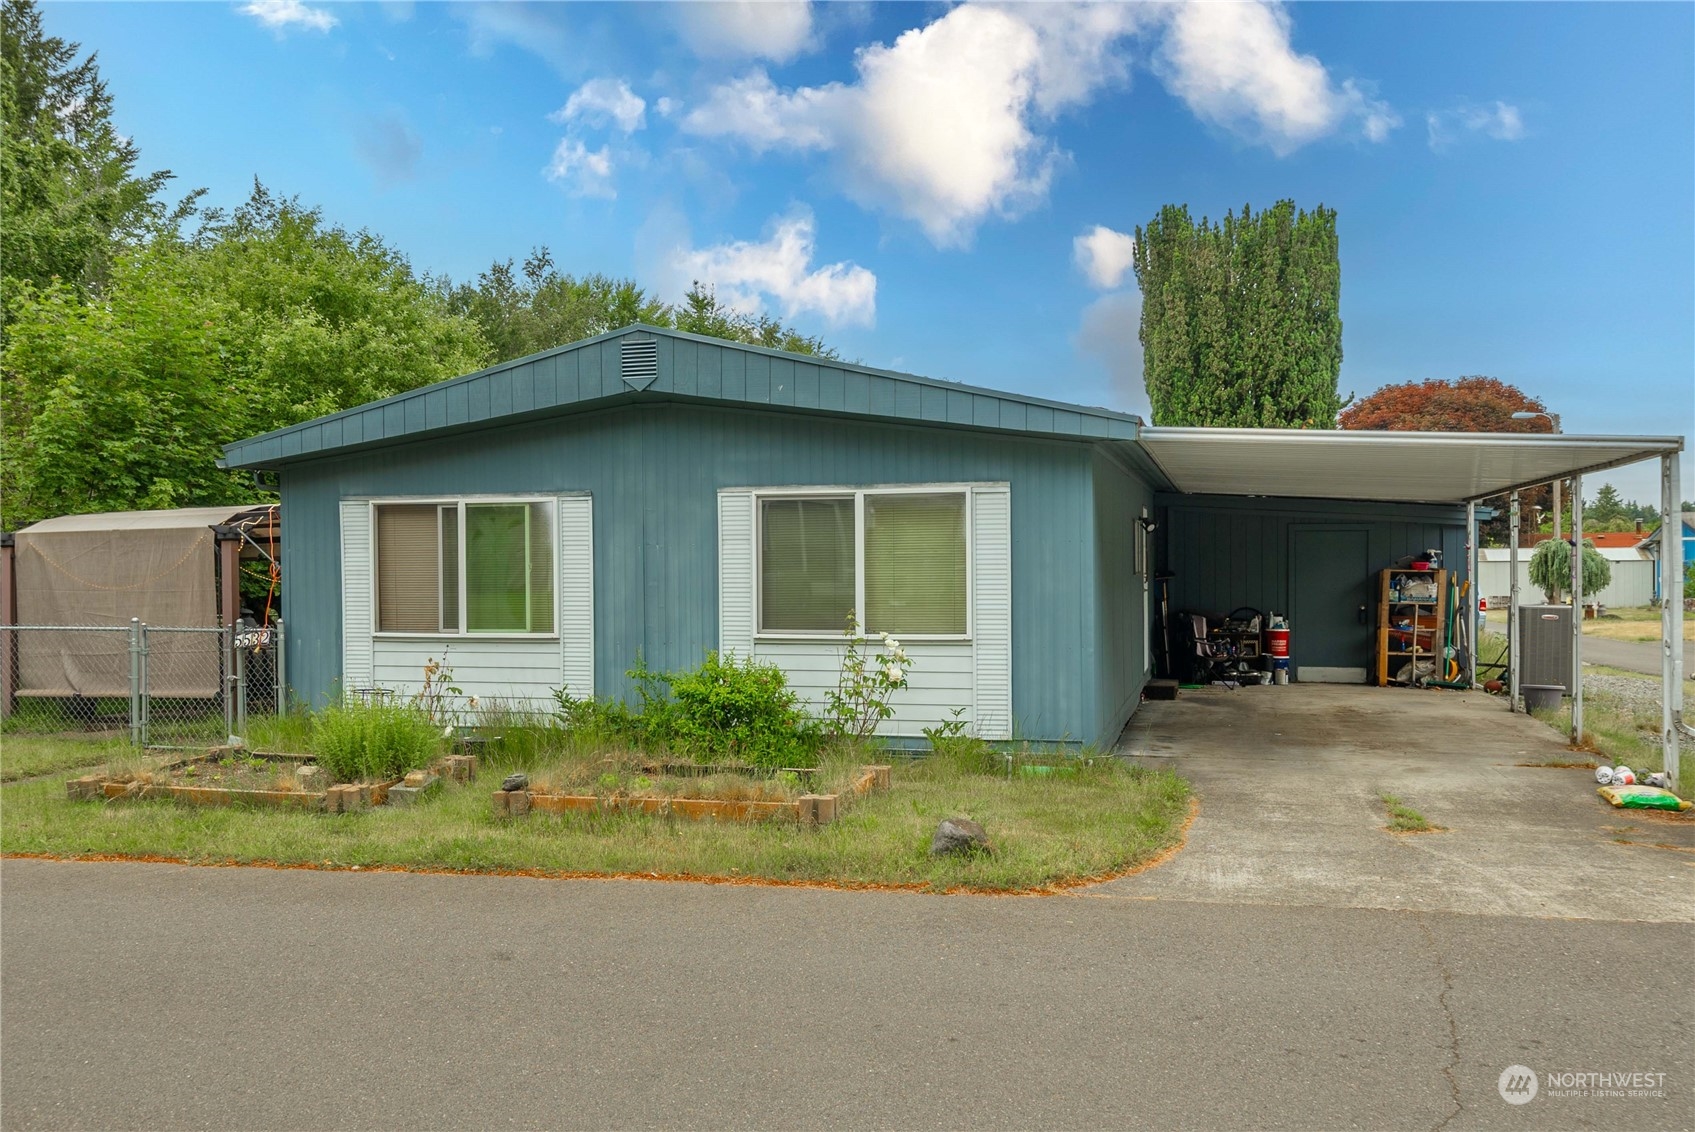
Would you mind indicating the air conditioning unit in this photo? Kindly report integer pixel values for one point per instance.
(1544, 638)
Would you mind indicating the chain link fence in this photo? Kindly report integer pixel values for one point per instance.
(158, 686)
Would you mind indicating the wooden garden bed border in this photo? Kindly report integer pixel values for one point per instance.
(808, 809)
(344, 798)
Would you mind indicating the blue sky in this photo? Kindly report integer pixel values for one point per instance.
(949, 190)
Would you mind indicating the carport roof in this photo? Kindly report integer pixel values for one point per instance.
(1423, 467)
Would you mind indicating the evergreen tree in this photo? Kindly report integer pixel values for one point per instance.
(1240, 323)
(1607, 507)
(69, 191)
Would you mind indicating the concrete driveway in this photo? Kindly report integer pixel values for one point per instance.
(1289, 781)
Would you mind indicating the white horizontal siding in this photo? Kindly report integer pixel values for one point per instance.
(519, 673)
(940, 678)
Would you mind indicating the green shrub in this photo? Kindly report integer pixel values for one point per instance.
(356, 741)
(741, 710)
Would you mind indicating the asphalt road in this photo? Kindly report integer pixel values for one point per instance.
(156, 996)
(1633, 656)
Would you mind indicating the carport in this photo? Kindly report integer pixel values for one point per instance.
(1322, 484)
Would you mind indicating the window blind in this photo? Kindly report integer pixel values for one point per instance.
(806, 564)
(915, 563)
(407, 568)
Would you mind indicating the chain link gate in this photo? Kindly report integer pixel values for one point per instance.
(157, 686)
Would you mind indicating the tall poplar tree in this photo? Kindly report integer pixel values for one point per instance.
(1240, 319)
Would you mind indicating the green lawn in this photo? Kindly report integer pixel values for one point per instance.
(1047, 831)
(27, 756)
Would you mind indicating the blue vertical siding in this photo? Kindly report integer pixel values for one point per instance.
(654, 471)
(1230, 551)
(1120, 670)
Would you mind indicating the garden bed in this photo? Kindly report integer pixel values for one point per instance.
(235, 777)
(1048, 832)
(677, 793)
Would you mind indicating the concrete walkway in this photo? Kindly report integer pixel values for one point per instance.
(1289, 782)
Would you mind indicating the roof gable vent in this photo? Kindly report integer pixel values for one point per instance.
(639, 361)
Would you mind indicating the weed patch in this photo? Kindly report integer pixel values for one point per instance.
(1404, 819)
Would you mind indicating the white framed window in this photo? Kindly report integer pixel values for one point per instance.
(464, 567)
(898, 560)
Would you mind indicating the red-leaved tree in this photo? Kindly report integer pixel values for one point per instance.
(1466, 404)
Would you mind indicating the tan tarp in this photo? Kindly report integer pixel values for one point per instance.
(164, 575)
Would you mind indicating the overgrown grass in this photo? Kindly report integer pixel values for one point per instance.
(1404, 819)
(360, 742)
(1098, 819)
(27, 756)
(1623, 730)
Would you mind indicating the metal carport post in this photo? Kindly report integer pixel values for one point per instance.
(1672, 727)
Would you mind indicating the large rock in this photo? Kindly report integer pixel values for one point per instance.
(959, 835)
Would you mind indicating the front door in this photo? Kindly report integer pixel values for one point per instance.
(1330, 605)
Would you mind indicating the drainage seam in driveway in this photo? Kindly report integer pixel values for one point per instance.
(1453, 1023)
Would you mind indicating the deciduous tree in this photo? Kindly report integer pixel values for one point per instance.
(1465, 404)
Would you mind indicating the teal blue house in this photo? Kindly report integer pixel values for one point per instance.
(654, 494)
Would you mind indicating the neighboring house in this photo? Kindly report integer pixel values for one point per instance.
(1632, 582)
(653, 494)
(1603, 540)
(1651, 545)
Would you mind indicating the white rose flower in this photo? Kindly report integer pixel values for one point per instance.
(890, 643)
(892, 671)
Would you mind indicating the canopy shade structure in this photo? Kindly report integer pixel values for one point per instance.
(1421, 467)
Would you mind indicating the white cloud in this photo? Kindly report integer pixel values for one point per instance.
(753, 110)
(665, 106)
(937, 128)
(540, 29)
(949, 124)
(1104, 256)
(281, 14)
(1110, 331)
(1234, 66)
(602, 102)
(778, 30)
(583, 172)
(1501, 121)
(744, 274)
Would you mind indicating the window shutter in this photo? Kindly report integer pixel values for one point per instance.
(735, 572)
(356, 580)
(991, 610)
(576, 594)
